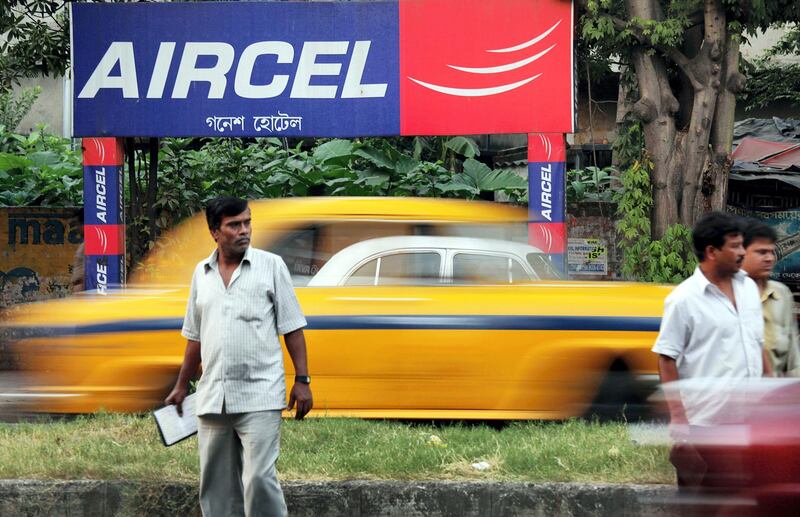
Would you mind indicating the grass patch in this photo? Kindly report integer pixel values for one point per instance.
(111, 446)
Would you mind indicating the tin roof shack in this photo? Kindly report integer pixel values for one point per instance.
(765, 184)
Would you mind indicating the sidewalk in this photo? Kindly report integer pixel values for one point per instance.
(345, 499)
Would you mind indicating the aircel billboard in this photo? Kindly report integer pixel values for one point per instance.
(322, 68)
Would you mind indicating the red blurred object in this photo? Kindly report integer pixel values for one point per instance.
(750, 465)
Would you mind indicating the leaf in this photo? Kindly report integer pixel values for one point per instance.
(43, 158)
(375, 156)
(481, 177)
(406, 165)
(463, 146)
(419, 146)
(333, 150)
(579, 189)
(457, 187)
(11, 162)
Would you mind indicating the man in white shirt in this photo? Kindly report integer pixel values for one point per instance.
(712, 328)
(240, 301)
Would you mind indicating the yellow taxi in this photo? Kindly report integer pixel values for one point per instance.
(419, 340)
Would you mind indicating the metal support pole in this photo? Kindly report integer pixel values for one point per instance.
(103, 214)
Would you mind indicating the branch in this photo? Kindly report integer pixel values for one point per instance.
(677, 57)
(683, 62)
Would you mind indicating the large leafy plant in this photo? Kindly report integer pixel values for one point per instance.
(591, 185)
(39, 169)
(191, 171)
(666, 260)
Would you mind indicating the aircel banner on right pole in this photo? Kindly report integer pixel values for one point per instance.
(547, 154)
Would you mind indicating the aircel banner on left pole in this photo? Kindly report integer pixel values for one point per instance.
(547, 155)
(103, 216)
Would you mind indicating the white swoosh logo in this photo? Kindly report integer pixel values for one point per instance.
(548, 147)
(499, 69)
(99, 149)
(475, 92)
(502, 68)
(529, 43)
(548, 237)
(101, 236)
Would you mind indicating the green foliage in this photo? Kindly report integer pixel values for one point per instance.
(629, 144)
(788, 44)
(771, 82)
(13, 109)
(478, 177)
(39, 169)
(668, 260)
(190, 172)
(266, 168)
(34, 39)
(590, 185)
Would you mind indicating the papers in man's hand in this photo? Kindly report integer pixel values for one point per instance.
(173, 427)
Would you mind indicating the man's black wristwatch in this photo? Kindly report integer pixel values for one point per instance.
(304, 379)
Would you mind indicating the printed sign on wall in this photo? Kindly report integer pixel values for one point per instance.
(326, 69)
(587, 257)
(38, 252)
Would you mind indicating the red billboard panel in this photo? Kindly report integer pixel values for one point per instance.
(477, 66)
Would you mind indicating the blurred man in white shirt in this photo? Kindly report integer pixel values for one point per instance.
(712, 328)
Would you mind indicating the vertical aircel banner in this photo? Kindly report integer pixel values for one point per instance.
(547, 154)
(103, 216)
(324, 69)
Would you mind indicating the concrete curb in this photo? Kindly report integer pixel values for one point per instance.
(28, 498)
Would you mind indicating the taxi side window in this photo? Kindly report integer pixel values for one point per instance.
(365, 275)
(474, 268)
(518, 274)
(542, 266)
(306, 249)
(399, 269)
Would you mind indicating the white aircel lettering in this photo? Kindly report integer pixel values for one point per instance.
(307, 67)
(353, 88)
(215, 76)
(191, 70)
(102, 278)
(160, 70)
(118, 52)
(100, 193)
(244, 72)
(547, 188)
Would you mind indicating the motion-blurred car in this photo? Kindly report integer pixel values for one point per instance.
(750, 459)
(545, 349)
(434, 260)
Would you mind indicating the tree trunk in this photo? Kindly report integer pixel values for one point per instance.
(687, 177)
(656, 109)
(706, 73)
(722, 128)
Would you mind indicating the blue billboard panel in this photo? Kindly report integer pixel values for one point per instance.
(236, 69)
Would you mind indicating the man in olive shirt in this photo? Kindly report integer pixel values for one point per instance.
(240, 301)
(781, 343)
